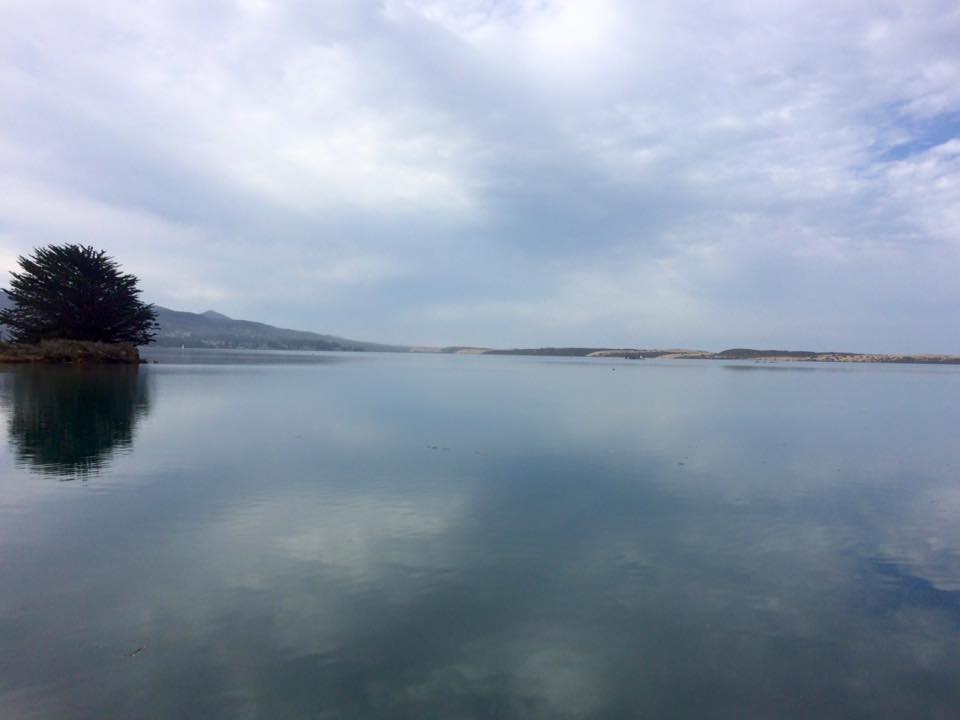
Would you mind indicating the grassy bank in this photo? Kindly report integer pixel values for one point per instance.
(69, 351)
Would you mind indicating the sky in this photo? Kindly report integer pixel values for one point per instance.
(764, 173)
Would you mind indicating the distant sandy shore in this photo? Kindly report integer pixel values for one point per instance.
(688, 354)
(785, 355)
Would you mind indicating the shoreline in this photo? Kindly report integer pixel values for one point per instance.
(730, 354)
(63, 352)
(741, 355)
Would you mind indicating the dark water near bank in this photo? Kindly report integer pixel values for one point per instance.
(386, 536)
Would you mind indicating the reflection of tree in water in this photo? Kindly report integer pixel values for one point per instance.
(68, 420)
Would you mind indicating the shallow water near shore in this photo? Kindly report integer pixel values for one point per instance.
(256, 534)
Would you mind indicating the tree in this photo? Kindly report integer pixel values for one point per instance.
(74, 292)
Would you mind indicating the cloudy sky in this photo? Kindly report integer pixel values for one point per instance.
(515, 172)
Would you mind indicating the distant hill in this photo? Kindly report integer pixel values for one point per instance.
(211, 329)
(4, 304)
(215, 330)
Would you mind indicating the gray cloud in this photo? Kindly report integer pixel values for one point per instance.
(503, 172)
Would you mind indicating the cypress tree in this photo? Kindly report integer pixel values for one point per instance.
(74, 292)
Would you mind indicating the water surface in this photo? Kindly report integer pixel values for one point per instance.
(273, 535)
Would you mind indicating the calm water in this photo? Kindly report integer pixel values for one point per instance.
(384, 536)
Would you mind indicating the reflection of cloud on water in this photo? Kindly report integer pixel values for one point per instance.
(358, 534)
(924, 539)
(545, 682)
(571, 569)
(911, 590)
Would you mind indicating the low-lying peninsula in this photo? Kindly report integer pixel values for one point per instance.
(731, 354)
(70, 351)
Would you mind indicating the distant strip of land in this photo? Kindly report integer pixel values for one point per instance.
(213, 330)
(685, 354)
(72, 351)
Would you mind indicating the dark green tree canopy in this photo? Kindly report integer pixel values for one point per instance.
(74, 292)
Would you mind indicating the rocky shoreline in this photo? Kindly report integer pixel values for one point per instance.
(70, 351)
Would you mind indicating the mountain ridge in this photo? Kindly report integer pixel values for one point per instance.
(211, 329)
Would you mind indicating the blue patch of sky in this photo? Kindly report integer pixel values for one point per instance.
(921, 134)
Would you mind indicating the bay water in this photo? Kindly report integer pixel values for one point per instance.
(334, 535)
